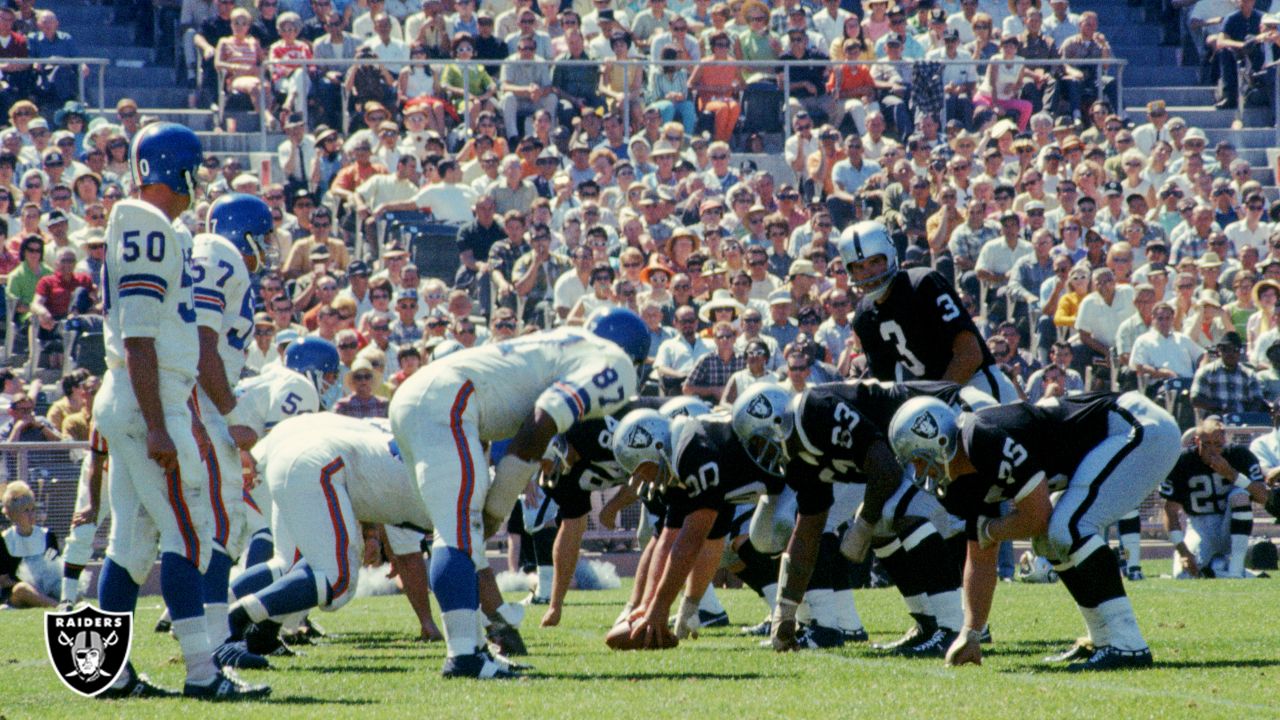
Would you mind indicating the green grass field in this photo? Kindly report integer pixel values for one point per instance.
(1216, 646)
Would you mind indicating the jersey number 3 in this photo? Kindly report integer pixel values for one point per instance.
(891, 331)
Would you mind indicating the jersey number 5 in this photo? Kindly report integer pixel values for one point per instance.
(1014, 455)
(891, 331)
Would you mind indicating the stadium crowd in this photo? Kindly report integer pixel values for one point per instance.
(1100, 244)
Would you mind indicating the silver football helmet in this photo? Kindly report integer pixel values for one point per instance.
(863, 241)
(684, 406)
(763, 422)
(924, 434)
(643, 436)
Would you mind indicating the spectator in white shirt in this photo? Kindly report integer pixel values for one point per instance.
(1162, 352)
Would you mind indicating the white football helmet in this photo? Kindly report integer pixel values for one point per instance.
(643, 436)
(684, 406)
(863, 241)
(763, 421)
(924, 430)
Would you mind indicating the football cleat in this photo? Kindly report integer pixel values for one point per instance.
(506, 638)
(163, 625)
(764, 629)
(923, 629)
(713, 619)
(236, 655)
(984, 638)
(503, 661)
(480, 666)
(1109, 658)
(855, 635)
(934, 647)
(1081, 650)
(139, 686)
(310, 629)
(534, 599)
(264, 639)
(814, 636)
(226, 687)
(1134, 574)
(299, 637)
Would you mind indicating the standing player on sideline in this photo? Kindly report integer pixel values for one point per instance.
(156, 480)
(527, 389)
(90, 513)
(225, 261)
(1101, 453)
(911, 323)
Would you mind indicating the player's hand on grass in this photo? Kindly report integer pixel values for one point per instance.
(652, 633)
(160, 448)
(551, 617)
(966, 649)
(783, 633)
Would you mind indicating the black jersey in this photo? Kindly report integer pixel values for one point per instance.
(835, 425)
(910, 335)
(1016, 446)
(1201, 491)
(712, 469)
(595, 467)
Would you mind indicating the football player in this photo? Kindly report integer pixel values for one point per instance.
(1101, 453)
(349, 473)
(839, 462)
(911, 323)
(225, 261)
(1214, 484)
(584, 464)
(156, 481)
(705, 472)
(90, 512)
(528, 389)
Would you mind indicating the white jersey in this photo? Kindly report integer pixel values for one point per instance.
(147, 288)
(382, 489)
(223, 298)
(568, 373)
(277, 394)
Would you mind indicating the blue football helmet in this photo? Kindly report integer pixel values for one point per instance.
(623, 328)
(166, 154)
(316, 359)
(245, 220)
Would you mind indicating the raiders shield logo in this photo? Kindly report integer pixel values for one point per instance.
(639, 438)
(759, 407)
(88, 647)
(925, 426)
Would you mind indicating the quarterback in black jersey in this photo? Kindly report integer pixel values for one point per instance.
(1213, 484)
(911, 323)
(1103, 453)
(704, 471)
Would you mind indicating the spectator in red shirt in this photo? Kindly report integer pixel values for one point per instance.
(14, 45)
(55, 292)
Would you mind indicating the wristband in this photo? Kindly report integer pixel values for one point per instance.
(1176, 537)
(970, 635)
(784, 611)
(1243, 482)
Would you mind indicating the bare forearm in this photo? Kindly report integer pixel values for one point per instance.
(212, 374)
(966, 358)
(979, 584)
(565, 557)
(802, 550)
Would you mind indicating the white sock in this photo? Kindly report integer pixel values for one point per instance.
(1094, 626)
(546, 578)
(710, 603)
(1131, 544)
(196, 651)
(293, 621)
(846, 611)
(917, 604)
(769, 593)
(70, 589)
(460, 631)
(822, 606)
(1121, 624)
(215, 620)
(1239, 543)
(948, 609)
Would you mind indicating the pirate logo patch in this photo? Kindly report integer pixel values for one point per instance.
(88, 647)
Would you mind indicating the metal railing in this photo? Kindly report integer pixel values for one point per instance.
(83, 62)
(781, 67)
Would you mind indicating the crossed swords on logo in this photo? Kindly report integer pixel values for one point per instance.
(109, 641)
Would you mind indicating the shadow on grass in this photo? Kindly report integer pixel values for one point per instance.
(309, 700)
(1062, 668)
(353, 667)
(648, 675)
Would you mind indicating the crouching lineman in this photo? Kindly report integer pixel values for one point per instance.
(1102, 453)
(328, 475)
(704, 472)
(1214, 484)
(839, 462)
(528, 389)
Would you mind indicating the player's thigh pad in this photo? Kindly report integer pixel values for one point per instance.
(996, 384)
(314, 507)
(438, 434)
